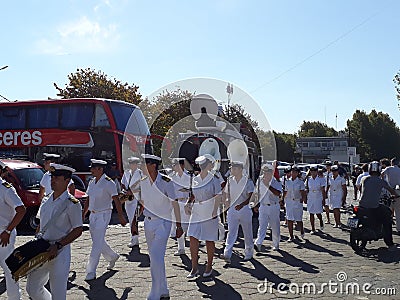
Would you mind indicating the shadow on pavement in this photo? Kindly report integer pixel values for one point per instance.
(136, 256)
(381, 255)
(317, 248)
(219, 290)
(98, 289)
(328, 237)
(295, 262)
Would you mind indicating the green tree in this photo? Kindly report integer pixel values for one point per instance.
(163, 112)
(285, 146)
(315, 128)
(375, 135)
(87, 83)
(396, 81)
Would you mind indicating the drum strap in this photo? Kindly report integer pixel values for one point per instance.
(54, 218)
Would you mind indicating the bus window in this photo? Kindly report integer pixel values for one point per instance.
(43, 117)
(12, 118)
(77, 115)
(122, 113)
(142, 124)
(101, 119)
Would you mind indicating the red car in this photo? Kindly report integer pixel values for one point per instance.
(25, 176)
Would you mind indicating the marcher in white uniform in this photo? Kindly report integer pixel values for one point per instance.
(392, 175)
(316, 195)
(294, 196)
(236, 196)
(101, 193)
(203, 223)
(182, 186)
(327, 175)
(130, 182)
(157, 195)
(287, 174)
(268, 190)
(365, 173)
(45, 182)
(337, 193)
(12, 210)
(64, 230)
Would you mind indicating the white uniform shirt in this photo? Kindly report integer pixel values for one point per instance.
(9, 200)
(157, 197)
(359, 178)
(70, 218)
(392, 175)
(45, 182)
(238, 191)
(205, 189)
(335, 186)
(294, 188)
(181, 182)
(314, 187)
(266, 196)
(101, 193)
(129, 178)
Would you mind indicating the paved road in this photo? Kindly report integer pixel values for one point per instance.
(324, 261)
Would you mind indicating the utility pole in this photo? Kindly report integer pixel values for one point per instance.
(229, 91)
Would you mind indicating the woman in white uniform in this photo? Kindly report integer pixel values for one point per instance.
(337, 192)
(130, 181)
(181, 181)
(294, 196)
(203, 222)
(315, 188)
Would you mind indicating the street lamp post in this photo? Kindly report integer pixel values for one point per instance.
(1, 96)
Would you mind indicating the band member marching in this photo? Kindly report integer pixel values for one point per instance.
(12, 210)
(45, 183)
(236, 196)
(158, 197)
(65, 228)
(337, 193)
(269, 189)
(316, 195)
(182, 183)
(203, 223)
(102, 191)
(294, 197)
(130, 181)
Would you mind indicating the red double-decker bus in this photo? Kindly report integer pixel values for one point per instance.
(77, 129)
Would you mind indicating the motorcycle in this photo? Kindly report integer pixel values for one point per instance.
(364, 227)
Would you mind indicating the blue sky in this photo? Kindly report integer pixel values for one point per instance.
(300, 60)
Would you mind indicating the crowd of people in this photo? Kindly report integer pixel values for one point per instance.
(182, 204)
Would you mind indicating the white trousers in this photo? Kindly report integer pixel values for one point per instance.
(157, 234)
(235, 218)
(13, 291)
(98, 223)
(56, 271)
(396, 207)
(269, 215)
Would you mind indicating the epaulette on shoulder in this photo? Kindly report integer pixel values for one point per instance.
(7, 185)
(216, 176)
(108, 178)
(166, 178)
(73, 199)
(143, 178)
